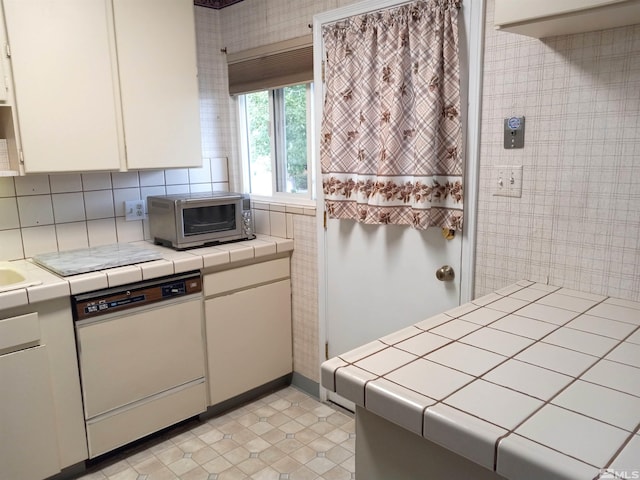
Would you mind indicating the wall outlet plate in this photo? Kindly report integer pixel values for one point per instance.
(135, 210)
(507, 181)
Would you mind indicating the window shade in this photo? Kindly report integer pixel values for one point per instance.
(271, 66)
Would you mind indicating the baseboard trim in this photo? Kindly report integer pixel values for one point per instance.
(306, 385)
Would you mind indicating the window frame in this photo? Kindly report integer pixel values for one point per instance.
(276, 135)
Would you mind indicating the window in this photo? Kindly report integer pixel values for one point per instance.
(275, 131)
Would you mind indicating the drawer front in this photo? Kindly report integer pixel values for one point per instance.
(19, 332)
(112, 431)
(247, 276)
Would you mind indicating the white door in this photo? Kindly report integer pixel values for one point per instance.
(378, 279)
(382, 278)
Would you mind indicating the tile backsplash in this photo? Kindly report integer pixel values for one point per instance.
(47, 213)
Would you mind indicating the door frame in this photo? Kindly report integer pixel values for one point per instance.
(471, 52)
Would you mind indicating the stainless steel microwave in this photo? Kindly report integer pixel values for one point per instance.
(196, 219)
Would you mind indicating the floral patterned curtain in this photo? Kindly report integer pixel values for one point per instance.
(391, 130)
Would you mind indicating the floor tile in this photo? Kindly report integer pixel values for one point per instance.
(231, 446)
(583, 438)
(616, 408)
(530, 379)
(498, 405)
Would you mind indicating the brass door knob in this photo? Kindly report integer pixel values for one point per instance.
(445, 273)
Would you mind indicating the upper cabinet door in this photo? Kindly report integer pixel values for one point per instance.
(158, 82)
(63, 66)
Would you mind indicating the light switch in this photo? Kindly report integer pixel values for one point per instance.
(134, 210)
(507, 181)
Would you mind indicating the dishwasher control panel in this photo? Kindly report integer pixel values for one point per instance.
(118, 299)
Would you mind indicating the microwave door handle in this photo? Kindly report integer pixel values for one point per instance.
(209, 224)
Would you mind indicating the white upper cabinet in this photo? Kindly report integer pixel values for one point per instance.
(104, 85)
(545, 18)
(66, 92)
(158, 80)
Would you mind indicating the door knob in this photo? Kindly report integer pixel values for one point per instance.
(445, 273)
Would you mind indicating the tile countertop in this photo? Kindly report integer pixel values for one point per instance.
(531, 381)
(171, 261)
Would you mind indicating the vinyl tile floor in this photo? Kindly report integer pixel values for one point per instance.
(287, 435)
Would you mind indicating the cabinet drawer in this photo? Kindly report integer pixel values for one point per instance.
(16, 332)
(247, 276)
(109, 432)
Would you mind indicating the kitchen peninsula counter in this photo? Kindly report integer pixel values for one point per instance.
(530, 382)
(48, 286)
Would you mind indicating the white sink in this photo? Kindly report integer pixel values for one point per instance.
(11, 278)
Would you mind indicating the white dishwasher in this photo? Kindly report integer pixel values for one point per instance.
(141, 357)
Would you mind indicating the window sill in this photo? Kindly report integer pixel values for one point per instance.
(265, 202)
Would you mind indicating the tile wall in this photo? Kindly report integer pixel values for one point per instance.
(245, 25)
(48, 213)
(578, 221)
(299, 224)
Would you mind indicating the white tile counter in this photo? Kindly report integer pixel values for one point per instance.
(530, 382)
(170, 261)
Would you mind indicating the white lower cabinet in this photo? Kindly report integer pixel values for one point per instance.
(30, 448)
(248, 330)
(30, 440)
(41, 421)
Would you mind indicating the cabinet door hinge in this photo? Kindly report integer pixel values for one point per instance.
(324, 220)
(20, 156)
(326, 350)
(7, 50)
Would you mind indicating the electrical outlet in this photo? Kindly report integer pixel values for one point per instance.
(507, 181)
(135, 210)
